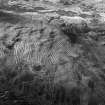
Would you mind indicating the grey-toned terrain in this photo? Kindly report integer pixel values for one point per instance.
(52, 52)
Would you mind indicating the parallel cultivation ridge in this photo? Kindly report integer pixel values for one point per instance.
(50, 61)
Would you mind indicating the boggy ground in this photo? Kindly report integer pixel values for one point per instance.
(47, 58)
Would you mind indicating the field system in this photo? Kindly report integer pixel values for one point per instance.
(52, 52)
